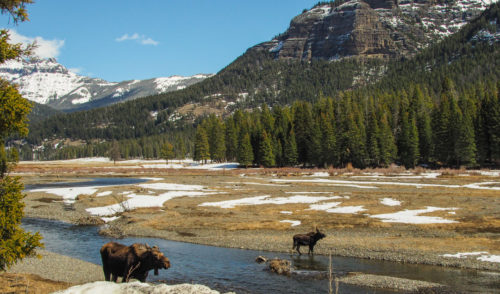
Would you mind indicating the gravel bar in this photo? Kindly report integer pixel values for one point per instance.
(58, 267)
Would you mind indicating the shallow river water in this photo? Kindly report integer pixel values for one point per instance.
(228, 269)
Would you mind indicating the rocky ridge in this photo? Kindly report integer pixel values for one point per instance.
(371, 28)
(45, 81)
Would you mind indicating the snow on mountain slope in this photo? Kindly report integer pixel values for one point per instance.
(45, 81)
(371, 28)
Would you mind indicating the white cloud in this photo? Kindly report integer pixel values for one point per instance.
(45, 48)
(126, 37)
(149, 41)
(141, 39)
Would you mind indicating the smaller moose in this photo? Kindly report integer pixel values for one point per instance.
(307, 239)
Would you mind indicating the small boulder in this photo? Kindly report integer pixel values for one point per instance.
(260, 259)
(280, 266)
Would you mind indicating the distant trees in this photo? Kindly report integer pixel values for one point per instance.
(365, 129)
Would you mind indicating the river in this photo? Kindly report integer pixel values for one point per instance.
(228, 269)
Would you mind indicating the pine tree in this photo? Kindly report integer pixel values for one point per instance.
(114, 152)
(303, 124)
(201, 148)
(494, 125)
(15, 243)
(422, 107)
(373, 140)
(290, 149)
(219, 142)
(266, 150)
(443, 124)
(413, 153)
(245, 151)
(329, 153)
(465, 148)
(231, 140)
(387, 145)
(167, 151)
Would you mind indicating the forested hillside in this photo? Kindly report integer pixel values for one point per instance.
(403, 97)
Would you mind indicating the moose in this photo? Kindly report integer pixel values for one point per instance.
(307, 239)
(134, 261)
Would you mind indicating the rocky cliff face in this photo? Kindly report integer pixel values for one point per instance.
(371, 28)
(45, 81)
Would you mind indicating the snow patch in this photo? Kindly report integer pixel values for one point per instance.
(332, 207)
(293, 222)
(482, 184)
(465, 254)
(481, 255)
(490, 258)
(142, 201)
(172, 187)
(319, 174)
(266, 200)
(105, 193)
(109, 219)
(390, 202)
(490, 173)
(414, 216)
(136, 288)
(69, 194)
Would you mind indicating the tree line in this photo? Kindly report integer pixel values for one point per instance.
(412, 126)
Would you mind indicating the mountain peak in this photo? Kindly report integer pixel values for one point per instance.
(46, 81)
(371, 28)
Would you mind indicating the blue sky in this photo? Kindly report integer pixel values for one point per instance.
(124, 40)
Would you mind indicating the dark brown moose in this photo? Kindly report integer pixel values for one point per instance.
(309, 239)
(134, 261)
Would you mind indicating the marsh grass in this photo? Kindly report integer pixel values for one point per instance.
(29, 284)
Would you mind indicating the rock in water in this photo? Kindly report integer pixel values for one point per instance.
(260, 259)
(280, 266)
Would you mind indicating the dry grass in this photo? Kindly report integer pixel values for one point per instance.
(29, 284)
(477, 213)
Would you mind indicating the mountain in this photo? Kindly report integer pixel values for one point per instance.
(259, 76)
(47, 82)
(371, 28)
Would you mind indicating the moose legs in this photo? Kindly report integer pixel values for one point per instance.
(296, 245)
(311, 249)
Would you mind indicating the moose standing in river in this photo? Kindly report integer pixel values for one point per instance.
(134, 261)
(309, 239)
